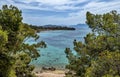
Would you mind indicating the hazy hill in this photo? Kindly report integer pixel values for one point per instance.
(80, 26)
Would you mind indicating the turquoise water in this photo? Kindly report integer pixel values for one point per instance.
(56, 42)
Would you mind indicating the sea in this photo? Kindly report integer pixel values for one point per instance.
(57, 40)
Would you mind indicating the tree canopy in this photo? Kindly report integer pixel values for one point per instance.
(99, 55)
(15, 54)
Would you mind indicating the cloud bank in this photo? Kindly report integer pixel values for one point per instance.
(65, 12)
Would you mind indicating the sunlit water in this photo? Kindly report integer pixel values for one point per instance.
(56, 42)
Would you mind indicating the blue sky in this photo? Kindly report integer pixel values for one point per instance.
(61, 12)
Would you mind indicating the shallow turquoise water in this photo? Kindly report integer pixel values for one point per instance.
(56, 42)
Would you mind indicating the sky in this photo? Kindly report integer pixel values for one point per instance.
(61, 12)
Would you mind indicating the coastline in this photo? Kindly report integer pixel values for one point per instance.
(52, 30)
(50, 73)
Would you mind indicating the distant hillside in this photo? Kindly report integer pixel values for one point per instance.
(51, 27)
(80, 26)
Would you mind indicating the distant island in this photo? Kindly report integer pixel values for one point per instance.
(51, 27)
(79, 25)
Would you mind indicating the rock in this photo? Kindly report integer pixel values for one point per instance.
(49, 68)
(52, 69)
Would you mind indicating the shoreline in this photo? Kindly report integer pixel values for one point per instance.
(40, 69)
(50, 73)
(53, 30)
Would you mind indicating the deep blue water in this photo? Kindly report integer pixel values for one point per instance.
(56, 42)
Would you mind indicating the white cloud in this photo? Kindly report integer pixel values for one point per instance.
(80, 16)
(66, 7)
(54, 2)
(94, 6)
(53, 5)
(61, 5)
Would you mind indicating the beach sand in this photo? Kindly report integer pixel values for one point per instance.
(48, 73)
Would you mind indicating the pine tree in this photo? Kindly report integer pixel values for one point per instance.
(15, 54)
(101, 46)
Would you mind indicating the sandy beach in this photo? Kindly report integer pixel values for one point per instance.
(48, 73)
